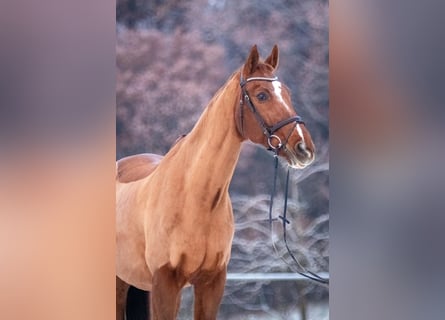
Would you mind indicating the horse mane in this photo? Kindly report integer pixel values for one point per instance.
(179, 139)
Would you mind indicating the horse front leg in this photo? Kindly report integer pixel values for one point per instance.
(208, 296)
(121, 298)
(165, 294)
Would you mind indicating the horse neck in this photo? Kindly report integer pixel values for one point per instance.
(214, 144)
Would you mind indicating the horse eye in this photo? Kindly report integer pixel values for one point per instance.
(262, 96)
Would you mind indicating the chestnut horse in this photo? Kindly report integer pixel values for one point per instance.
(174, 223)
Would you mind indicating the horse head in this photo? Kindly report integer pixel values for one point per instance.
(266, 115)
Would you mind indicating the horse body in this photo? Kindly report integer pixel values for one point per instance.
(174, 216)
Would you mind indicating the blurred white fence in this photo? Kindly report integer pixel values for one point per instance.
(278, 276)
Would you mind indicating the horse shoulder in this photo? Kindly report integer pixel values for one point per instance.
(136, 167)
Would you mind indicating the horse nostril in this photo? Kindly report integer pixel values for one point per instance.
(301, 146)
(303, 150)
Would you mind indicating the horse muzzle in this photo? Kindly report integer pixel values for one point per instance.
(300, 156)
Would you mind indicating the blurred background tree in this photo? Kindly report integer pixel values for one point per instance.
(171, 57)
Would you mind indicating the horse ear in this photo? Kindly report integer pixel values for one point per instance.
(273, 59)
(251, 62)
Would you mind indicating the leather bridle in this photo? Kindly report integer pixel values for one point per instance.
(268, 131)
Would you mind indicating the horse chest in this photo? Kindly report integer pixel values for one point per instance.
(204, 244)
(192, 242)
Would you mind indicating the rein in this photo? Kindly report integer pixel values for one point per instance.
(304, 272)
(269, 132)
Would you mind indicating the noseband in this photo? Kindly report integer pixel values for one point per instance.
(268, 131)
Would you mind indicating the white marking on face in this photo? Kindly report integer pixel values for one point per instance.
(277, 90)
(300, 132)
(303, 143)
